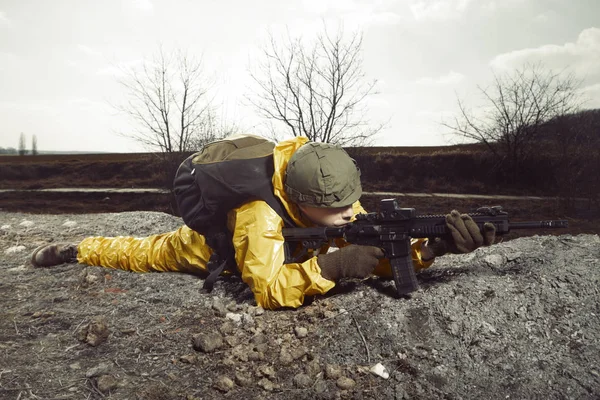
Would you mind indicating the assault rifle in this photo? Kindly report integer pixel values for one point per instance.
(391, 229)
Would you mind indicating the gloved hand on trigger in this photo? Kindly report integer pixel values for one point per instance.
(466, 237)
(352, 261)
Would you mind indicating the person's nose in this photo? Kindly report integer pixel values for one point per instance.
(347, 213)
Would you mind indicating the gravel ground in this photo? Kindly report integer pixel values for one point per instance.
(517, 320)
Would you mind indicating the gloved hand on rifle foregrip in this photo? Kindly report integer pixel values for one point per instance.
(465, 237)
(352, 261)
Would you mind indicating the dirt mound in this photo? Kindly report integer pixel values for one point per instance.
(516, 320)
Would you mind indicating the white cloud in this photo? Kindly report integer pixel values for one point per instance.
(89, 51)
(582, 56)
(451, 78)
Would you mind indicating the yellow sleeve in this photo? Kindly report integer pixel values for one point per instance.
(260, 255)
(384, 268)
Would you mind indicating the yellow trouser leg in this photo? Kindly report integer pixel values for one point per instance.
(183, 250)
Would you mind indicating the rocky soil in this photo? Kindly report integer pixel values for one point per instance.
(518, 320)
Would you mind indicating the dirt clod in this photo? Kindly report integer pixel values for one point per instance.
(95, 332)
(302, 381)
(332, 371)
(301, 332)
(266, 384)
(224, 384)
(243, 379)
(107, 383)
(345, 383)
(207, 342)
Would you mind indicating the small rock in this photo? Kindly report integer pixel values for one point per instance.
(188, 359)
(256, 356)
(243, 379)
(237, 318)
(233, 306)
(27, 224)
(94, 333)
(247, 319)
(75, 366)
(69, 224)
(302, 381)
(266, 370)
(241, 353)
(301, 332)
(494, 260)
(332, 371)
(229, 361)
(259, 339)
(224, 384)
(345, 383)
(313, 368)
(259, 311)
(261, 348)
(100, 369)
(379, 370)
(4, 227)
(320, 387)
(232, 341)
(266, 384)
(285, 357)
(106, 383)
(299, 352)
(219, 307)
(91, 278)
(227, 328)
(207, 342)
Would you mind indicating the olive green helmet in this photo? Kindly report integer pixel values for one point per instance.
(322, 175)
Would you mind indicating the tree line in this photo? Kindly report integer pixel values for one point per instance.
(22, 150)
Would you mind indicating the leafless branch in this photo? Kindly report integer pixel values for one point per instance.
(316, 90)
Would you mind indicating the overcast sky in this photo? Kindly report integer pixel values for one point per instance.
(58, 58)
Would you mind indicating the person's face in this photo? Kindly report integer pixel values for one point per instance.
(321, 216)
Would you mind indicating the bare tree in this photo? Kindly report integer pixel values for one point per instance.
(34, 149)
(168, 99)
(315, 90)
(518, 104)
(22, 145)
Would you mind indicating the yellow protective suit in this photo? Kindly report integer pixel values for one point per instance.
(258, 243)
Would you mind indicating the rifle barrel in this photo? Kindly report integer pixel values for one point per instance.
(559, 223)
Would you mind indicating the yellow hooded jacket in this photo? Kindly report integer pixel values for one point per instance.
(258, 243)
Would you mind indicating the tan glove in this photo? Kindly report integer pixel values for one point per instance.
(352, 261)
(465, 234)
